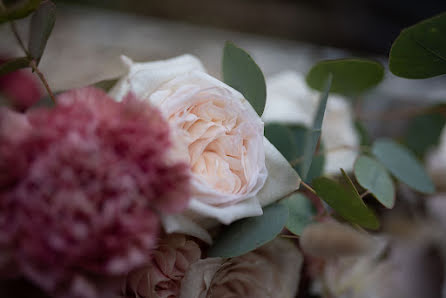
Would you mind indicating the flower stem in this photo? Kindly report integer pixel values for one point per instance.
(42, 78)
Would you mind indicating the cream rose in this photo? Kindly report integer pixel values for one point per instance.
(436, 163)
(291, 101)
(219, 134)
(272, 270)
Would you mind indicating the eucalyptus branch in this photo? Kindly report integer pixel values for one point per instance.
(42, 78)
(32, 62)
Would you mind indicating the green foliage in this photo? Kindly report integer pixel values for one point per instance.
(371, 175)
(243, 74)
(290, 140)
(346, 201)
(42, 23)
(403, 164)
(424, 132)
(13, 65)
(420, 51)
(282, 138)
(313, 134)
(18, 11)
(250, 233)
(300, 212)
(364, 136)
(350, 76)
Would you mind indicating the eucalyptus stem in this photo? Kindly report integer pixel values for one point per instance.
(32, 62)
(42, 78)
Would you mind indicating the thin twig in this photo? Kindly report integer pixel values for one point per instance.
(42, 78)
(365, 193)
(308, 187)
(290, 236)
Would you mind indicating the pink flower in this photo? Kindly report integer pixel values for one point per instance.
(21, 87)
(162, 277)
(87, 180)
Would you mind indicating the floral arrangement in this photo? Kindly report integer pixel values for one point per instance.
(172, 183)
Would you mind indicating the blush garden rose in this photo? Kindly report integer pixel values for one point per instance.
(218, 133)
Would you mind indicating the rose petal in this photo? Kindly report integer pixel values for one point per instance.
(146, 77)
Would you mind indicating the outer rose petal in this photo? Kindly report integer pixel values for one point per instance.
(148, 81)
(291, 101)
(270, 271)
(436, 163)
(144, 78)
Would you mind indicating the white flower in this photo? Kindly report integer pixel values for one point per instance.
(217, 132)
(291, 101)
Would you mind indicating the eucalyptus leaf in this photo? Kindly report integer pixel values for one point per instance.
(250, 233)
(42, 23)
(281, 137)
(13, 65)
(420, 51)
(313, 134)
(374, 177)
(403, 164)
(290, 140)
(364, 136)
(346, 202)
(424, 132)
(300, 212)
(242, 73)
(18, 11)
(350, 76)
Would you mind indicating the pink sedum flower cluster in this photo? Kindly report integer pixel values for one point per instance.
(82, 186)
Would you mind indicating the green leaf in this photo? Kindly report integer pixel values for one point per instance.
(403, 165)
(424, 132)
(13, 65)
(290, 140)
(21, 10)
(350, 76)
(346, 202)
(363, 133)
(301, 212)
(243, 74)
(419, 51)
(250, 233)
(42, 23)
(313, 135)
(281, 137)
(106, 85)
(371, 175)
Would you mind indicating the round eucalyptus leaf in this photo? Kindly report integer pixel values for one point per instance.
(242, 73)
(350, 76)
(371, 175)
(419, 51)
(403, 164)
(300, 212)
(250, 233)
(346, 202)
